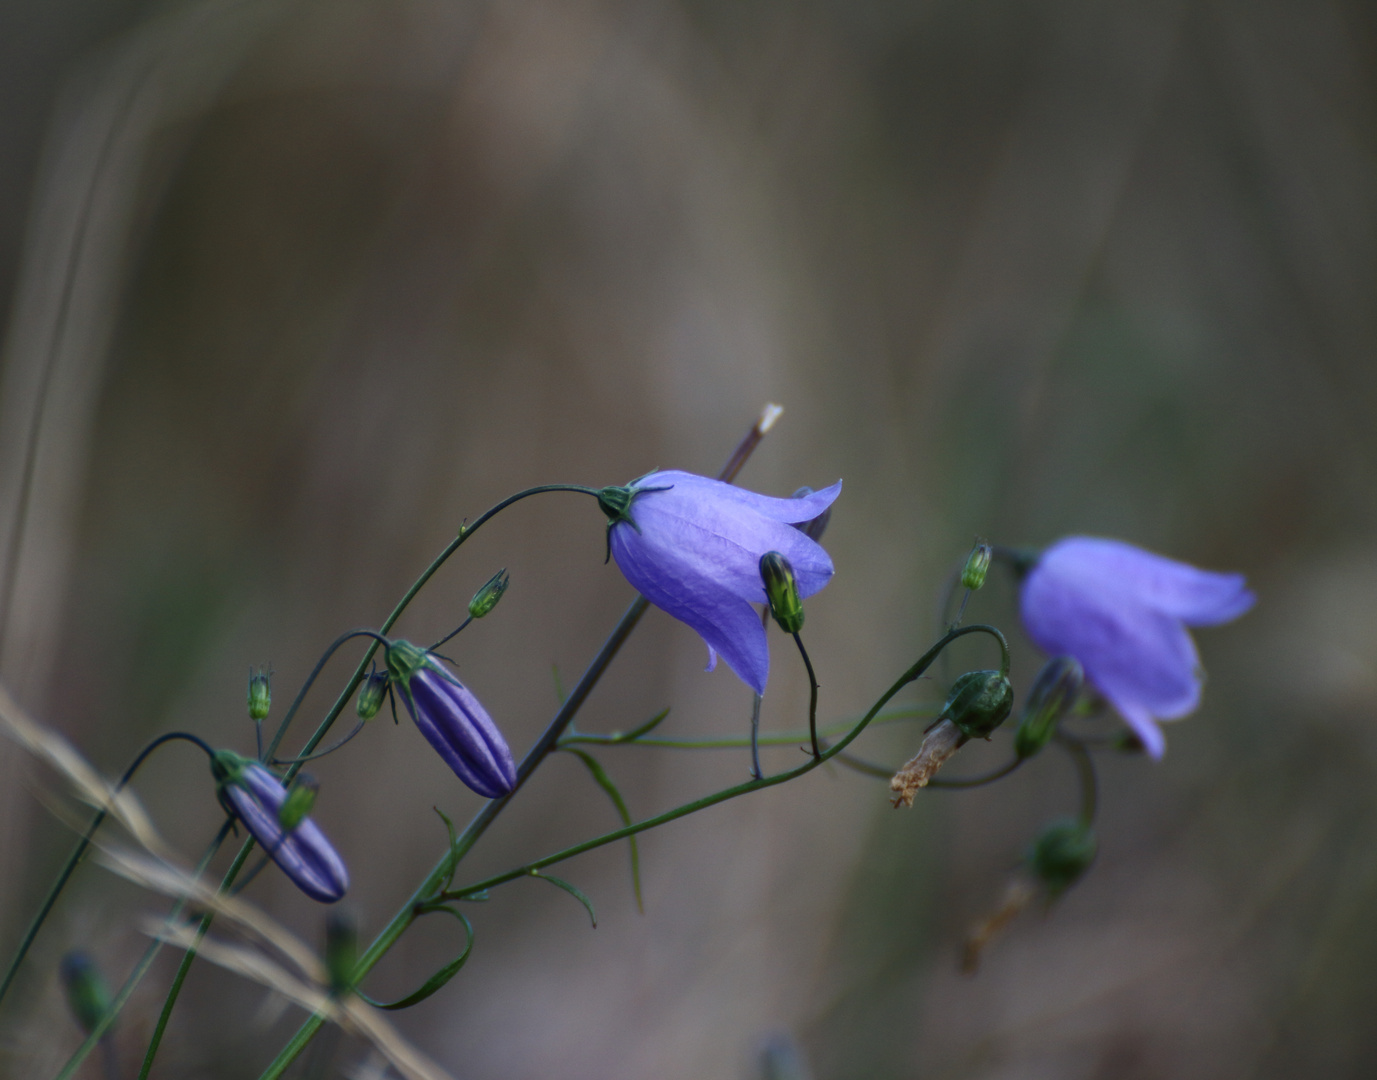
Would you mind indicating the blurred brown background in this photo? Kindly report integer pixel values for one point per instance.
(348, 272)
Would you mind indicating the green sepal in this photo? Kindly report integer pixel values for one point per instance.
(438, 980)
(403, 660)
(227, 767)
(573, 890)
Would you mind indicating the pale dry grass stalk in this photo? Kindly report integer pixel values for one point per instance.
(158, 870)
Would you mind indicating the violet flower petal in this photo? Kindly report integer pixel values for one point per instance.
(455, 723)
(1121, 612)
(304, 854)
(694, 550)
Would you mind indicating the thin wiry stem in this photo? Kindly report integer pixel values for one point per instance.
(69, 867)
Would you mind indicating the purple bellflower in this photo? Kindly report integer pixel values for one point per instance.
(692, 547)
(1123, 612)
(255, 796)
(452, 720)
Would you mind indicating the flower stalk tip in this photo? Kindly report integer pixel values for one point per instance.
(781, 591)
(486, 598)
(260, 694)
(1051, 697)
(977, 566)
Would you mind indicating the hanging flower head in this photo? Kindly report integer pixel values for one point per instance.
(452, 720)
(692, 547)
(255, 796)
(1123, 612)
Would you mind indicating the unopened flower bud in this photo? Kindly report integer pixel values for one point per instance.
(1061, 854)
(814, 527)
(486, 598)
(88, 994)
(782, 590)
(301, 797)
(977, 566)
(1052, 695)
(371, 694)
(256, 797)
(979, 702)
(341, 950)
(260, 694)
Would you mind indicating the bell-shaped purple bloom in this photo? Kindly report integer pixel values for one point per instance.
(1123, 612)
(256, 796)
(452, 720)
(692, 547)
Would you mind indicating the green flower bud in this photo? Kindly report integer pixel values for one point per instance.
(341, 951)
(260, 694)
(371, 695)
(300, 798)
(979, 702)
(977, 566)
(1061, 854)
(782, 591)
(486, 598)
(88, 994)
(1052, 695)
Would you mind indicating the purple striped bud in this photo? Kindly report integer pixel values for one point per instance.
(452, 720)
(255, 796)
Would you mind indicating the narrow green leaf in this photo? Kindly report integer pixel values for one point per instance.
(605, 782)
(572, 890)
(646, 728)
(436, 981)
(453, 842)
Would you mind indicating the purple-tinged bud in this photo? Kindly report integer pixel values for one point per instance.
(452, 720)
(781, 589)
(486, 598)
(1062, 852)
(260, 694)
(979, 702)
(371, 695)
(977, 566)
(256, 797)
(301, 797)
(1052, 695)
(88, 994)
(814, 527)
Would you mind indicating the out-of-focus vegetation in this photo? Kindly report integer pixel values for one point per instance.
(350, 271)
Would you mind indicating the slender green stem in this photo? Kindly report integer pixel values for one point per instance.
(74, 859)
(736, 742)
(916, 671)
(1085, 771)
(756, 771)
(140, 969)
(443, 872)
(812, 700)
(185, 966)
(465, 531)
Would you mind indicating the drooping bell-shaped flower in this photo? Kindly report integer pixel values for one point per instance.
(452, 720)
(256, 798)
(1123, 612)
(692, 547)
